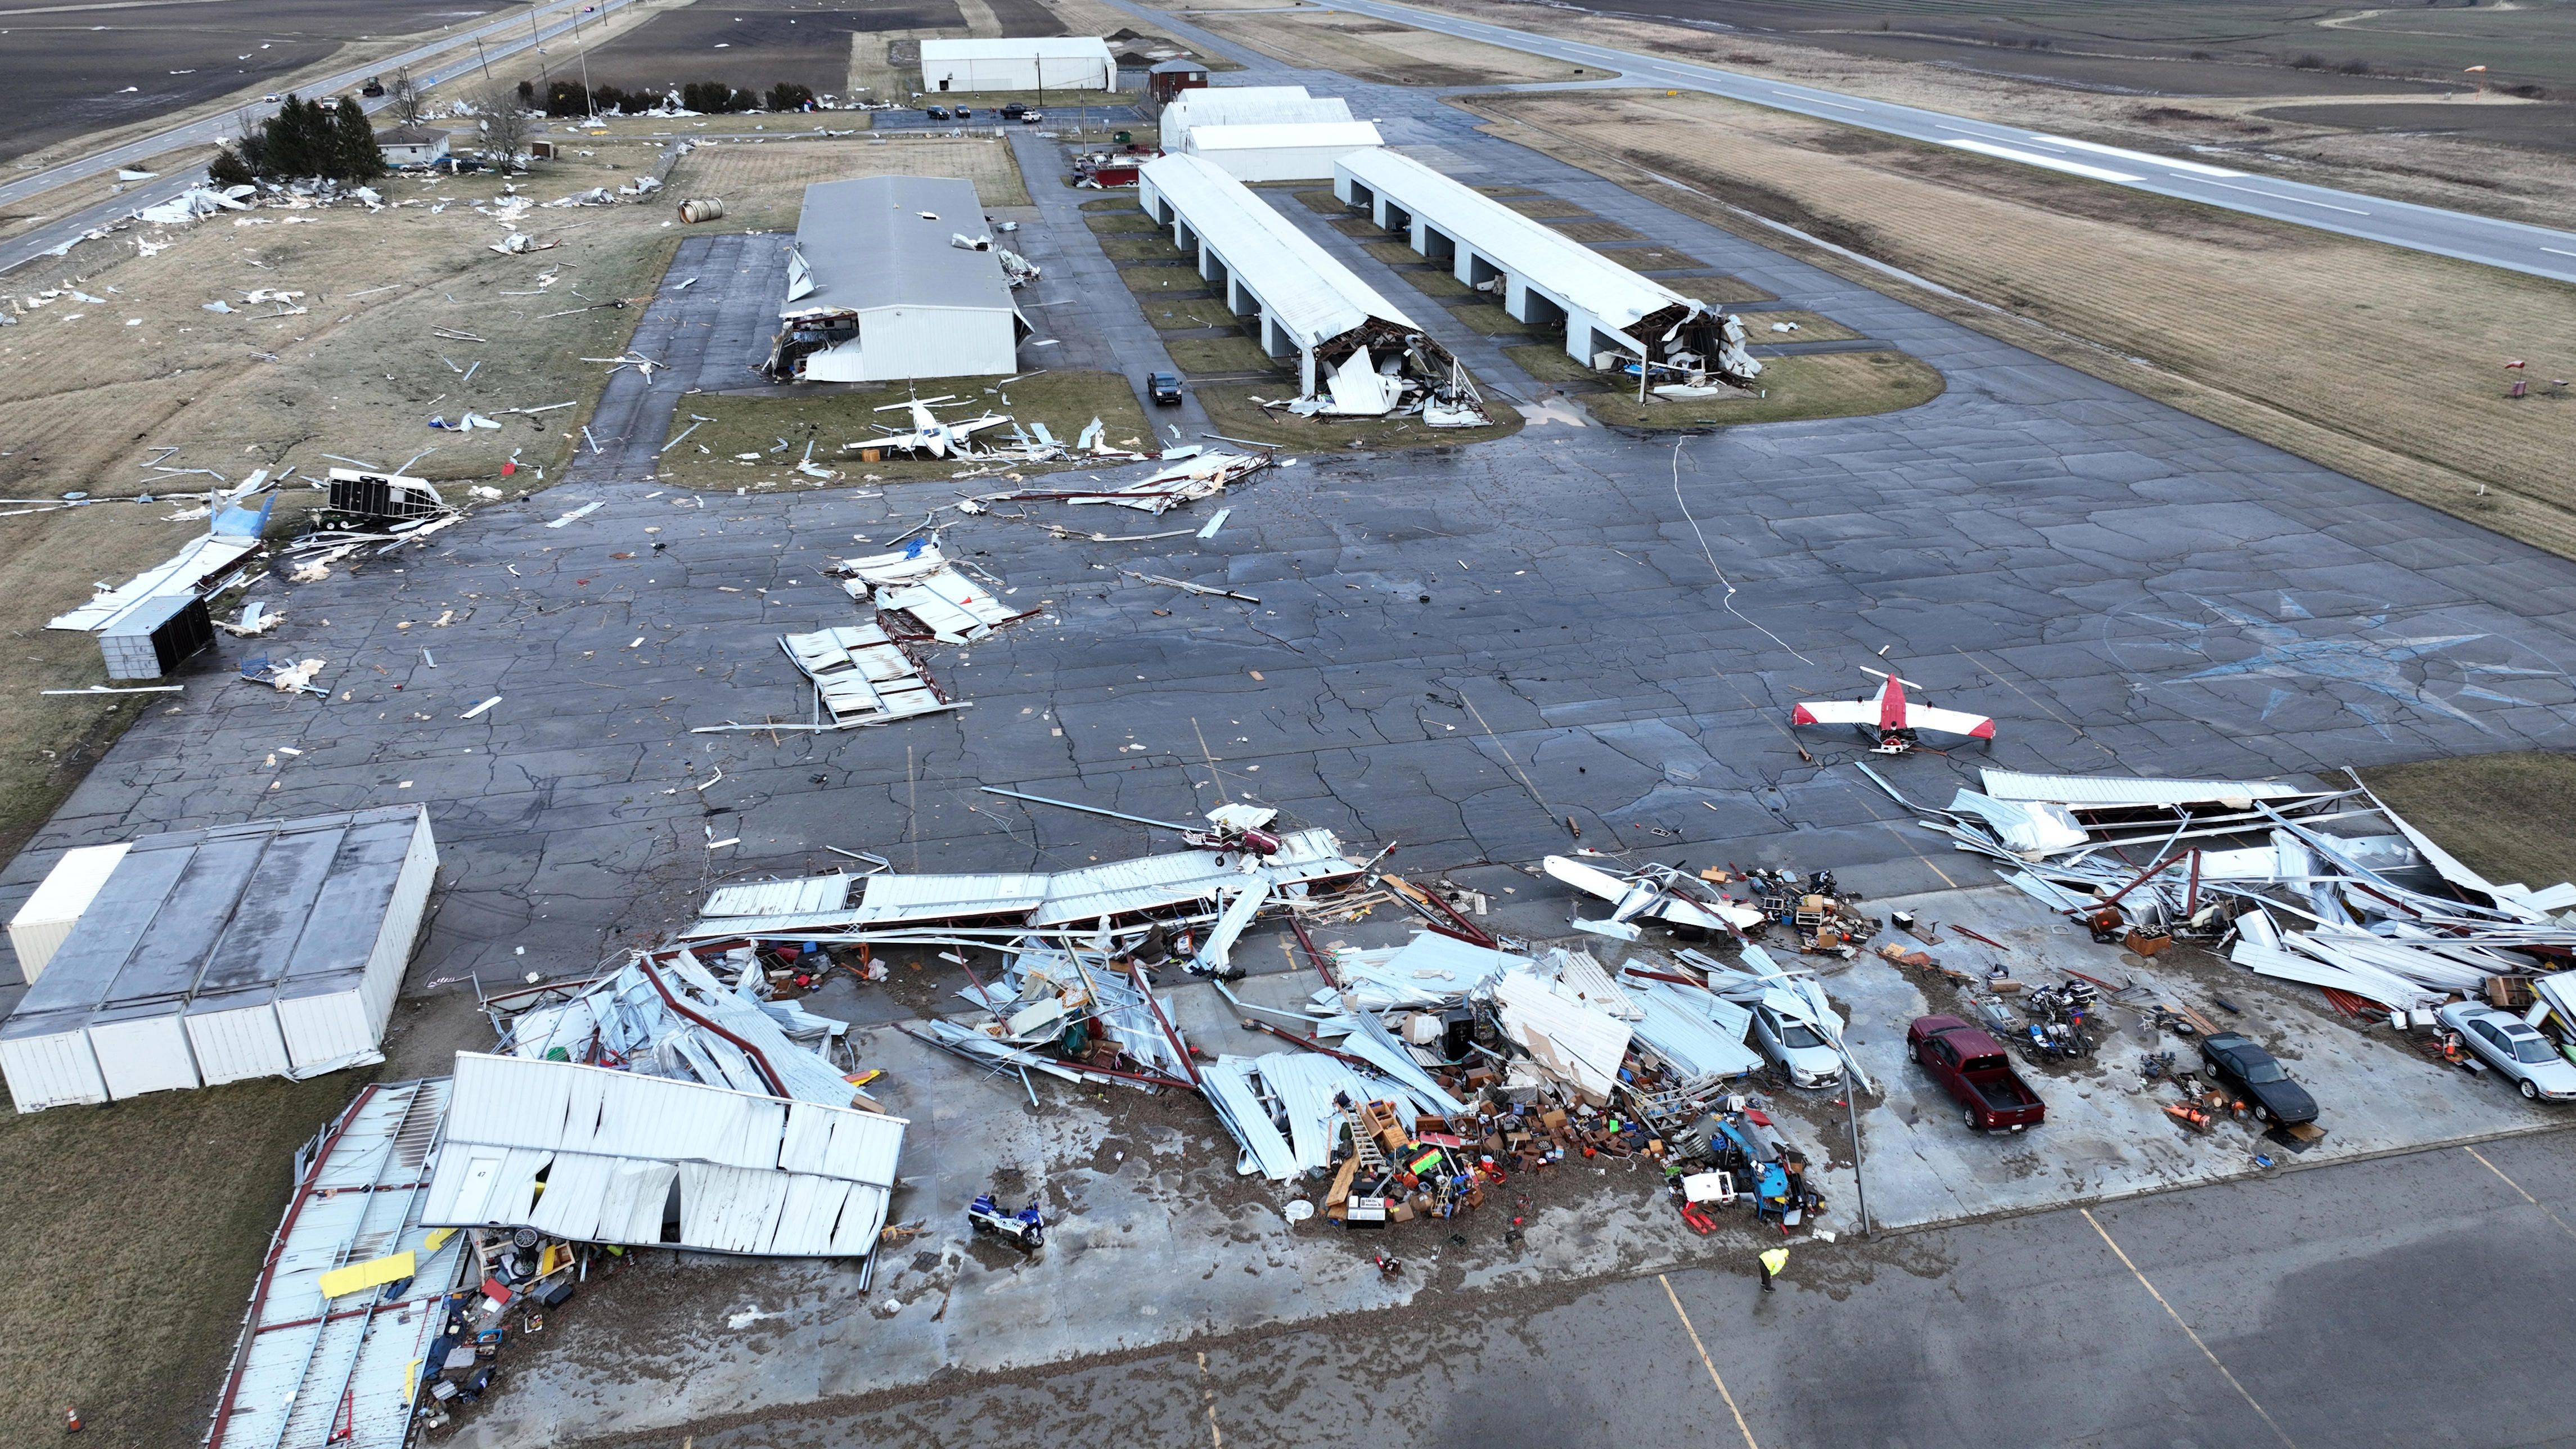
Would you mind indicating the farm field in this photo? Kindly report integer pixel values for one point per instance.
(70, 71)
(2250, 323)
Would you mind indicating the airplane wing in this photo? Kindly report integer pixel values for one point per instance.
(1827, 711)
(1707, 918)
(1591, 880)
(1949, 721)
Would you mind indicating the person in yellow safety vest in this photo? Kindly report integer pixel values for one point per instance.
(1772, 1262)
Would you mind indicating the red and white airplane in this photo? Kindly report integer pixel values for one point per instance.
(1895, 720)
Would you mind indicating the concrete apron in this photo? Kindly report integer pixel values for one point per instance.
(1154, 1238)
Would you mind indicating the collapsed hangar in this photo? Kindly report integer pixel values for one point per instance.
(1349, 342)
(1611, 315)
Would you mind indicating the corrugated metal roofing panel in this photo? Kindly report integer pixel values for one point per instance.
(1310, 295)
(616, 1142)
(816, 893)
(1121, 887)
(2107, 791)
(1521, 246)
(311, 1372)
(887, 899)
(191, 566)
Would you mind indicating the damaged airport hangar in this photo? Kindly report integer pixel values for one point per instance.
(1346, 338)
(887, 282)
(1611, 315)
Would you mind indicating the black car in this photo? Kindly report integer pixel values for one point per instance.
(936, 113)
(2235, 1061)
(1014, 111)
(965, 113)
(1164, 388)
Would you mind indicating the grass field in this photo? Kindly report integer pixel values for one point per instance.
(1488, 317)
(1718, 289)
(1811, 328)
(1232, 412)
(1794, 389)
(1434, 283)
(143, 1222)
(2503, 157)
(1190, 312)
(1368, 49)
(1153, 281)
(1220, 356)
(2504, 816)
(1065, 401)
(2259, 326)
(1547, 362)
(764, 186)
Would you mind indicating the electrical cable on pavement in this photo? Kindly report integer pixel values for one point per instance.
(1729, 600)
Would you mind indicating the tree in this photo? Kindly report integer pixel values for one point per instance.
(403, 100)
(228, 169)
(789, 96)
(505, 127)
(567, 98)
(355, 156)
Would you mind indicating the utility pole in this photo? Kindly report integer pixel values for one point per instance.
(1851, 1114)
(582, 49)
(484, 60)
(545, 81)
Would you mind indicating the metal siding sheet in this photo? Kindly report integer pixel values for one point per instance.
(324, 1020)
(235, 1036)
(2097, 790)
(893, 898)
(49, 1062)
(781, 897)
(142, 1051)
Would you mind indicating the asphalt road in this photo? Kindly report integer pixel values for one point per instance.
(2539, 251)
(499, 37)
(2406, 1301)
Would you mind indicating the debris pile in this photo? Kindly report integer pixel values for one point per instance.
(726, 1023)
(1383, 371)
(2326, 887)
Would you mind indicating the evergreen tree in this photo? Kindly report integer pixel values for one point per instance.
(355, 154)
(228, 169)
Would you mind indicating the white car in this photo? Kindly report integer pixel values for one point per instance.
(1799, 1049)
(2506, 1043)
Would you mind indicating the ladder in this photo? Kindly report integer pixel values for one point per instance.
(1364, 1144)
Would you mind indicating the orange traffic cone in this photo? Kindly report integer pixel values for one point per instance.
(71, 1420)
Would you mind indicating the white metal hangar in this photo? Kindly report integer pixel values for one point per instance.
(1348, 341)
(1265, 133)
(1545, 277)
(272, 948)
(1280, 151)
(885, 283)
(1039, 63)
(1245, 106)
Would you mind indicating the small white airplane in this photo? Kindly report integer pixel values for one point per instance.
(1893, 718)
(928, 433)
(1653, 890)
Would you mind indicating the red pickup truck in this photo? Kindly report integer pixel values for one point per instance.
(1973, 1066)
